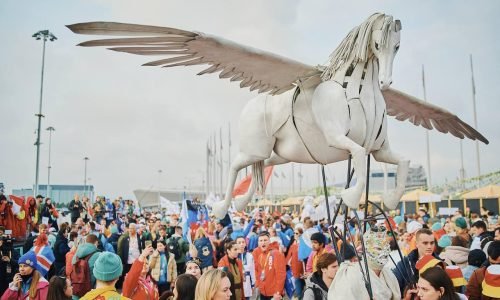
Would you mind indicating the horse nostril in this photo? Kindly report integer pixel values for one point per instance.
(390, 82)
(381, 82)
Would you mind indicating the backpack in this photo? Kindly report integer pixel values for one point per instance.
(80, 276)
(100, 245)
(174, 247)
(318, 295)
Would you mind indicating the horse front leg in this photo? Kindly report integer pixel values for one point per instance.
(241, 161)
(331, 112)
(386, 155)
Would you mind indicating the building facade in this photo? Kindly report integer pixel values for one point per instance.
(417, 178)
(59, 193)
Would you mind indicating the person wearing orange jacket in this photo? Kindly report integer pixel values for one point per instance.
(296, 265)
(138, 284)
(270, 268)
(31, 212)
(234, 266)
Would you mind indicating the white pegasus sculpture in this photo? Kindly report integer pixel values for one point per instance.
(305, 114)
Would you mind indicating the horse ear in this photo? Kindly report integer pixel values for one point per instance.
(398, 26)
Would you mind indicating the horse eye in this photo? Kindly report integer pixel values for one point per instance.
(376, 45)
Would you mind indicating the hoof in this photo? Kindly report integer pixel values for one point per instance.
(351, 197)
(240, 203)
(391, 200)
(219, 209)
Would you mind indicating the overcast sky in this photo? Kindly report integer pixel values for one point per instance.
(132, 121)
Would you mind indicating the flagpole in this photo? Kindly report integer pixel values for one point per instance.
(300, 178)
(272, 189)
(429, 177)
(221, 164)
(228, 146)
(475, 115)
(215, 163)
(462, 169)
(208, 172)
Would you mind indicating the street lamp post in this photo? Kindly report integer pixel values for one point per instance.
(41, 35)
(49, 189)
(85, 177)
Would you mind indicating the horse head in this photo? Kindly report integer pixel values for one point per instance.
(384, 45)
(378, 36)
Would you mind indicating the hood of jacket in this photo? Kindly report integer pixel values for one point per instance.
(456, 254)
(85, 249)
(105, 292)
(274, 245)
(317, 282)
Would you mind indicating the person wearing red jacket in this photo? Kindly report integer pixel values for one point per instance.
(296, 265)
(138, 284)
(234, 266)
(270, 268)
(3, 210)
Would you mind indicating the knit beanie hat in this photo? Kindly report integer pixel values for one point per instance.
(413, 227)
(426, 262)
(491, 282)
(108, 267)
(29, 259)
(476, 258)
(456, 276)
(436, 226)
(113, 229)
(461, 223)
(347, 251)
(444, 241)
(318, 237)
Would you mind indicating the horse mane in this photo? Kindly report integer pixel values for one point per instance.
(357, 42)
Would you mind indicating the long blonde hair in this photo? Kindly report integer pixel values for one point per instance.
(200, 232)
(208, 284)
(34, 284)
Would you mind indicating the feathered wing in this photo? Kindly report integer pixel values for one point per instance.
(256, 69)
(405, 107)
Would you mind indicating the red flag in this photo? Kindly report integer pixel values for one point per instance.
(243, 186)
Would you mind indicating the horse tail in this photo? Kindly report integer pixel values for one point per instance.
(258, 176)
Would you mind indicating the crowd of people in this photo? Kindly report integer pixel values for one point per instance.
(114, 250)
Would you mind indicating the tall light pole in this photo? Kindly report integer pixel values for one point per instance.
(85, 177)
(41, 35)
(49, 190)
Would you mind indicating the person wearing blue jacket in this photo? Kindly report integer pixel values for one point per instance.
(204, 248)
(238, 230)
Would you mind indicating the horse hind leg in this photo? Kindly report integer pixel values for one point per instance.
(386, 155)
(241, 161)
(241, 202)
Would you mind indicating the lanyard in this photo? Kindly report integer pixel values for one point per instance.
(265, 262)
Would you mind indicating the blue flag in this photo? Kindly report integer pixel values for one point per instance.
(305, 246)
